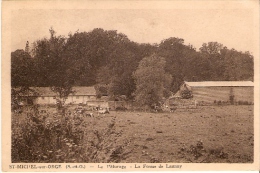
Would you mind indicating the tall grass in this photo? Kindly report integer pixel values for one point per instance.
(60, 137)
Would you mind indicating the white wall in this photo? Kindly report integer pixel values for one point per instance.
(42, 100)
(209, 94)
(70, 99)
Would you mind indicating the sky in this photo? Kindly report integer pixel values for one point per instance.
(231, 27)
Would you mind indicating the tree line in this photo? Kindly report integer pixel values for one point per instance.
(118, 66)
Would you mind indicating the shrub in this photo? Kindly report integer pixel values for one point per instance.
(196, 150)
(121, 109)
(240, 102)
(62, 138)
(186, 94)
(198, 153)
(219, 153)
(42, 139)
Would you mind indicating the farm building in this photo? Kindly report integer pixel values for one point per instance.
(210, 92)
(44, 95)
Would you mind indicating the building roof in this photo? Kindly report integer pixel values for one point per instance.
(43, 91)
(24, 91)
(220, 83)
(178, 94)
(78, 91)
(84, 91)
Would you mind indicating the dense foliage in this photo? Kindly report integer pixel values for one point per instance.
(108, 58)
(152, 82)
(61, 137)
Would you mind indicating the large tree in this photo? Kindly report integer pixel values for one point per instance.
(151, 81)
(21, 69)
(211, 48)
(54, 67)
(176, 55)
(121, 62)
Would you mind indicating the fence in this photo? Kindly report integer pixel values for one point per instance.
(183, 103)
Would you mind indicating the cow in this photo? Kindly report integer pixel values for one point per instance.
(156, 108)
(89, 115)
(172, 109)
(95, 108)
(103, 111)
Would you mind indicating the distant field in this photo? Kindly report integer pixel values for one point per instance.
(217, 134)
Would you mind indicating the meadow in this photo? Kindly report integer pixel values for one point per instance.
(208, 134)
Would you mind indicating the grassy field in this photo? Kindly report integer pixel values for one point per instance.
(206, 134)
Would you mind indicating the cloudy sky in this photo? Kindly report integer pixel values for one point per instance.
(231, 27)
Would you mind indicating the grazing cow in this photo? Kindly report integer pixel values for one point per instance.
(89, 115)
(103, 111)
(172, 109)
(156, 108)
(95, 108)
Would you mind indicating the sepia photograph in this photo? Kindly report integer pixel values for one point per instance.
(117, 84)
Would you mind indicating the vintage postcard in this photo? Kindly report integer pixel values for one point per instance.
(130, 85)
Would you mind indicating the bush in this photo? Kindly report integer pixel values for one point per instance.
(198, 153)
(121, 109)
(240, 102)
(186, 94)
(62, 138)
(45, 139)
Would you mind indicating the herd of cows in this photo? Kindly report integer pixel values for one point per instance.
(84, 111)
(81, 110)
